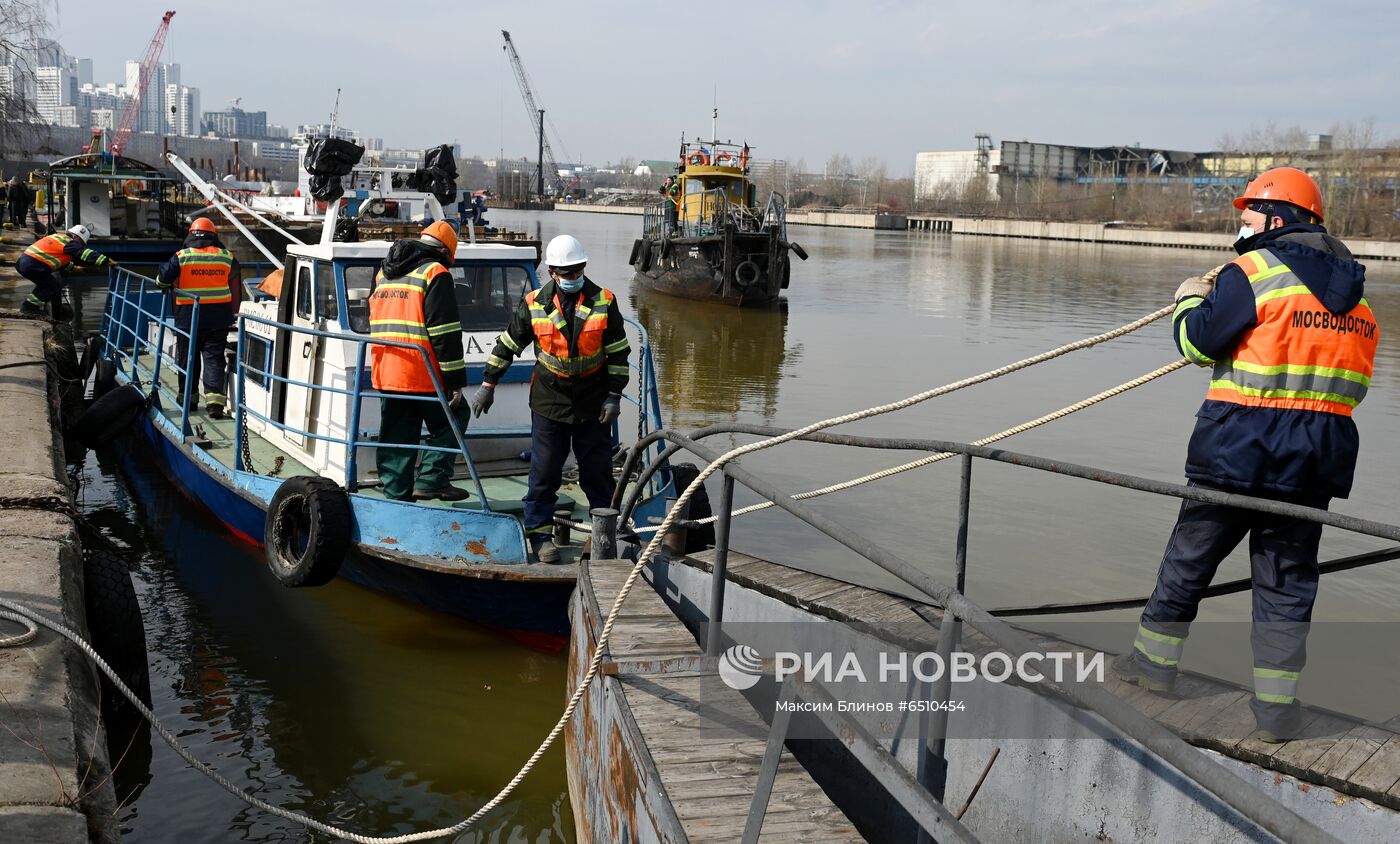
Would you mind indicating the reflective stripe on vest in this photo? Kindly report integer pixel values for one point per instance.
(552, 335)
(204, 271)
(396, 313)
(50, 250)
(1298, 355)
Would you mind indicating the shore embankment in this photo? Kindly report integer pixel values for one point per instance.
(55, 779)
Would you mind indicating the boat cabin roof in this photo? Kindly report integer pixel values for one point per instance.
(377, 249)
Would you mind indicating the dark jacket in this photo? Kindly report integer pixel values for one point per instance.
(1265, 449)
(18, 193)
(439, 307)
(570, 400)
(30, 267)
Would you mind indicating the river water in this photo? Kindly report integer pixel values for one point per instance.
(350, 706)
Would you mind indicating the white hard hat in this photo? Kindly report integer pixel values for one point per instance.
(80, 232)
(565, 251)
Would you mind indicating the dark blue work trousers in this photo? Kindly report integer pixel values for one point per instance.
(48, 283)
(1283, 567)
(210, 342)
(550, 442)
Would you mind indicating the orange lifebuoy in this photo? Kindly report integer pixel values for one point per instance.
(744, 159)
(723, 158)
(132, 187)
(699, 158)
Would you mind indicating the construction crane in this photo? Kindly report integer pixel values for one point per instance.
(133, 103)
(536, 117)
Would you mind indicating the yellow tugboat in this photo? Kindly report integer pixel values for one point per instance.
(708, 238)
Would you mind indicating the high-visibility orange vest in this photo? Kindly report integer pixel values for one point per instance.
(1299, 355)
(552, 335)
(50, 250)
(204, 271)
(396, 313)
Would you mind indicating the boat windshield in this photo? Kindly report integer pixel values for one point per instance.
(486, 294)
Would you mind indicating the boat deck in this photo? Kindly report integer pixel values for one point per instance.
(1347, 754)
(702, 742)
(505, 481)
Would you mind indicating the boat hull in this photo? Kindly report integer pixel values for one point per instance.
(695, 267)
(527, 603)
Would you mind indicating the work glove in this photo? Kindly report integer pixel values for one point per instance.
(612, 406)
(458, 399)
(482, 399)
(1199, 285)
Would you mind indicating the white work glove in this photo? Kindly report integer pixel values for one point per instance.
(1201, 286)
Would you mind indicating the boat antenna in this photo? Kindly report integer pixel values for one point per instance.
(714, 118)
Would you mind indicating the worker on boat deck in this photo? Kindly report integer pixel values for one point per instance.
(672, 191)
(203, 270)
(415, 301)
(42, 261)
(1292, 342)
(576, 388)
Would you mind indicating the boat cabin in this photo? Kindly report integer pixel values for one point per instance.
(128, 206)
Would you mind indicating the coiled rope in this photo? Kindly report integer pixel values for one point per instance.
(601, 647)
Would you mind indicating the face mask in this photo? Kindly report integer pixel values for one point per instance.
(570, 286)
(1245, 233)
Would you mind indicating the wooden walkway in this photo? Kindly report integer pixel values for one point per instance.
(705, 741)
(1345, 754)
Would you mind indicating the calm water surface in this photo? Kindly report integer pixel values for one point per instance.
(352, 706)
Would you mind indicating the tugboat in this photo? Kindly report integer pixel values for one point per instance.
(709, 239)
(292, 466)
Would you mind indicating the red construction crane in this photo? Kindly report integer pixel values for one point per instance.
(133, 103)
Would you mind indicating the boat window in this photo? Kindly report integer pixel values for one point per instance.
(359, 283)
(486, 296)
(327, 307)
(694, 186)
(257, 359)
(304, 292)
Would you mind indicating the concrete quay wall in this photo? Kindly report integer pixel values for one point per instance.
(55, 783)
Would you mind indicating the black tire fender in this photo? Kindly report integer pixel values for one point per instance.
(801, 253)
(636, 250)
(697, 539)
(308, 531)
(118, 635)
(644, 256)
(666, 248)
(747, 273)
(105, 379)
(92, 353)
(107, 417)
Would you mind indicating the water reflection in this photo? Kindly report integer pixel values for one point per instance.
(713, 360)
(337, 702)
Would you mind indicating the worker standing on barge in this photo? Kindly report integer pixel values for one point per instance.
(415, 301)
(1292, 341)
(203, 269)
(576, 389)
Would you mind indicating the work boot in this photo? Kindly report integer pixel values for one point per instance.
(216, 411)
(447, 493)
(546, 551)
(28, 307)
(1127, 669)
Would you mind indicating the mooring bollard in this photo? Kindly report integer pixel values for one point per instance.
(674, 540)
(604, 533)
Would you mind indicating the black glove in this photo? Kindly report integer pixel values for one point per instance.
(612, 406)
(482, 399)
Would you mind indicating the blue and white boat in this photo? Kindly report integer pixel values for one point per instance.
(302, 407)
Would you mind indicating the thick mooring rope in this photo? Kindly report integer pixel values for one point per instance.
(596, 661)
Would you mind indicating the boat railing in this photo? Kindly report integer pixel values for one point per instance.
(717, 212)
(925, 804)
(353, 440)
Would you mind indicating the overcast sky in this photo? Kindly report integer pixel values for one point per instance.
(797, 80)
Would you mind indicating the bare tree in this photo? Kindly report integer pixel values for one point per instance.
(22, 22)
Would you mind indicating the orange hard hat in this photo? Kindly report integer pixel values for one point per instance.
(202, 224)
(442, 232)
(1284, 184)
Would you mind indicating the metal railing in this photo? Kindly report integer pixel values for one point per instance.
(1248, 801)
(717, 212)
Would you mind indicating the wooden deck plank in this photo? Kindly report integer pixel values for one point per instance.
(1351, 752)
(1297, 756)
(1382, 771)
(1224, 730)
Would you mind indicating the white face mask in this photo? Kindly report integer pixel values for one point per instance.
(1245, 233)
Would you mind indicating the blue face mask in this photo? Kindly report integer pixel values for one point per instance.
(568, 285)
